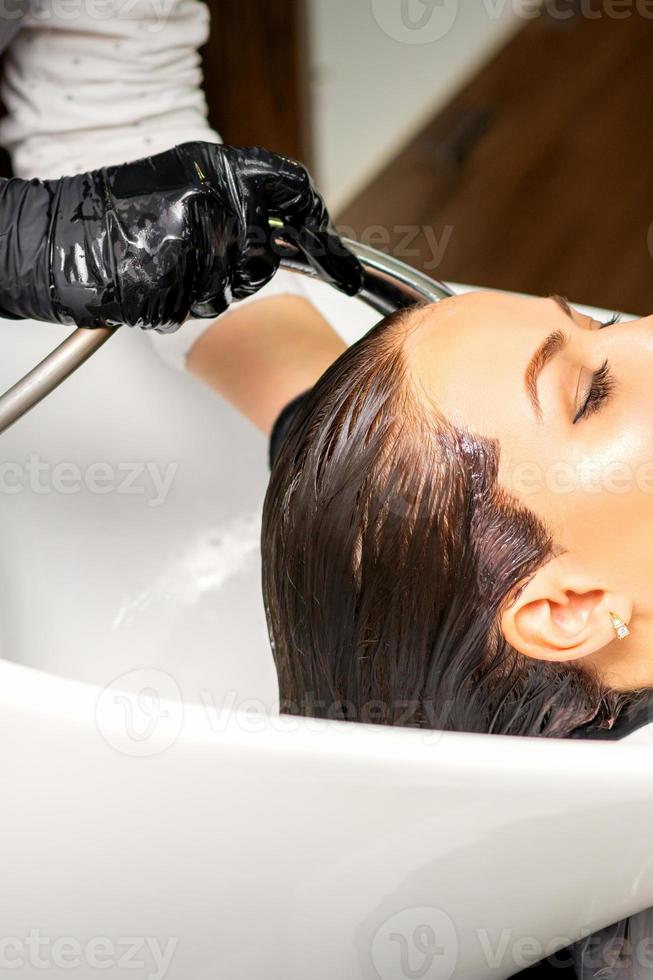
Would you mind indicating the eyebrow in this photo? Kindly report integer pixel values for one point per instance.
(548, 349)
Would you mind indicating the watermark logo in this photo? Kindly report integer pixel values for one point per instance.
(415, 21)
(141, 712)
(425, 21)
(418, 943)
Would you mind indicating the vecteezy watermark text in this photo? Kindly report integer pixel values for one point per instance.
(420, 242)
(585, 475)
(41, 952)
(424, 243)
(142, 713)
(422, 943)
(426, 21)
(148, 479)
(152, 15)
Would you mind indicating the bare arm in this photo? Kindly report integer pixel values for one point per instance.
(259, 357)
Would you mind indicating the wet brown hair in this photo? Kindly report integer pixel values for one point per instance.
(389, 550)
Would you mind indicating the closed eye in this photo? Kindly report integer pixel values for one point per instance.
(601, 388)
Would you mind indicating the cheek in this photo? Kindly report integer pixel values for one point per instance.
(614, 468)
(594, 488)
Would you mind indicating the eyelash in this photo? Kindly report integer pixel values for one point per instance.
(615, 318)
(602, 383)
(600, 390)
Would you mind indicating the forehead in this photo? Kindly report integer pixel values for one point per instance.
(468, 353)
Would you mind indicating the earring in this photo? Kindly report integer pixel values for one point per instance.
(620, 628)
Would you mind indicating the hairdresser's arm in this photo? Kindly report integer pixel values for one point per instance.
(148, 243)
(263, 355)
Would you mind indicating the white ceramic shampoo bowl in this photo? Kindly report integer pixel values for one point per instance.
(154, 808)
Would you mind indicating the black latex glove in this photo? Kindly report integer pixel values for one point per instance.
(147, 243)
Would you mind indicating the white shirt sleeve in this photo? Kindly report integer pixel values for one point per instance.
(91, 83)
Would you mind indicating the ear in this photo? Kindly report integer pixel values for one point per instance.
(562, 614)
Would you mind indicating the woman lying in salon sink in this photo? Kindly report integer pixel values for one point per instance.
(454, 533)
(455, 527)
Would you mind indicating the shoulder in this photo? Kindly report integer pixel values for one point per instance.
(282, 425)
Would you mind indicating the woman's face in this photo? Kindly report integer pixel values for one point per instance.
(571, 403)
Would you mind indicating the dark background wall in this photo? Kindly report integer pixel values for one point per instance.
(256, 74)
(537, 177)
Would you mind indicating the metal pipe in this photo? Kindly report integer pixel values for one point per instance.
(388, 285)
(50, 372)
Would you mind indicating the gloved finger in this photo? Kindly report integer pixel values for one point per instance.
(284, 185)
(325, 251)
(290, 196)
(211, 307)
(257, 261)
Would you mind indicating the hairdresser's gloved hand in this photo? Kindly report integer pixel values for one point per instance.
(148, 243)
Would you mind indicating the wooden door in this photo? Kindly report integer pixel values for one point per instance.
(256, 74)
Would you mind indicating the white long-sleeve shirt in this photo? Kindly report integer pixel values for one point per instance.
(89, 83)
